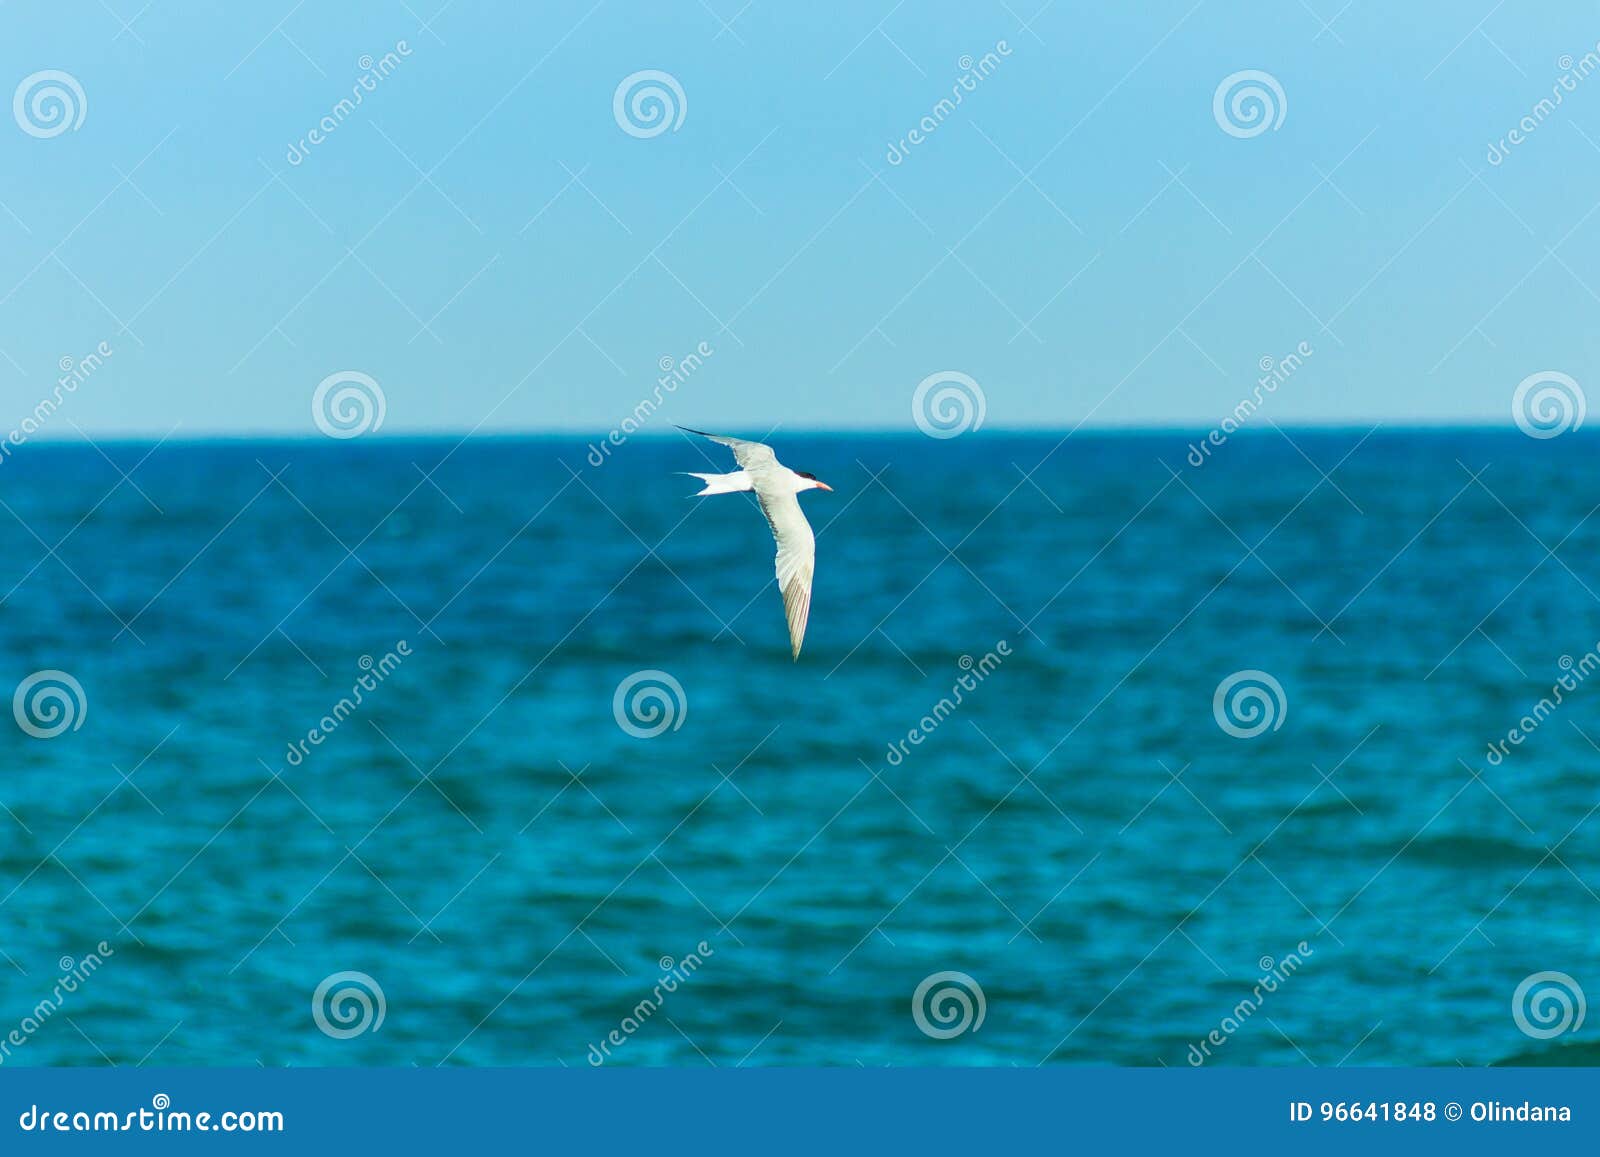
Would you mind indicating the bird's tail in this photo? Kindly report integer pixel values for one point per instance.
(721, 483)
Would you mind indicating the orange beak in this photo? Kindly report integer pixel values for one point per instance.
(823, 486)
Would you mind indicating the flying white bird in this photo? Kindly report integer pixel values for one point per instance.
(777, 488)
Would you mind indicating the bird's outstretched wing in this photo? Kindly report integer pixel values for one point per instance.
(797, 546)
(749, 455)
(797, 556)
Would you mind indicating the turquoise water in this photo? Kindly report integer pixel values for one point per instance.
(516, 871)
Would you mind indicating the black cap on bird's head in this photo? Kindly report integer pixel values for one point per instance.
(812, 478)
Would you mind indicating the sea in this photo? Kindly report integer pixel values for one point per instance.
(1103, 749)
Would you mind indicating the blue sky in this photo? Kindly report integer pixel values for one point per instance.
(1080, 236)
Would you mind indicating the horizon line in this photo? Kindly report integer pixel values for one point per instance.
(1412, 425)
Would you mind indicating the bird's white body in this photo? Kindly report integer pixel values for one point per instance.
(776, 488)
